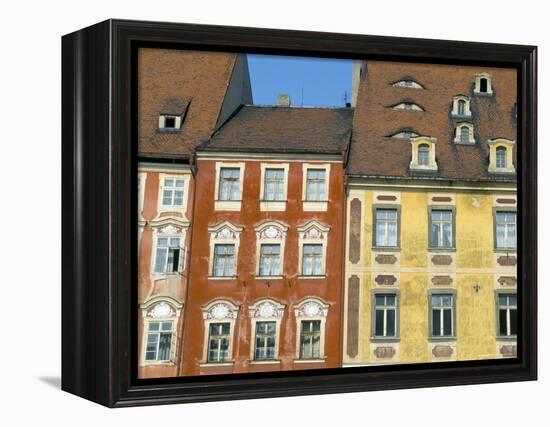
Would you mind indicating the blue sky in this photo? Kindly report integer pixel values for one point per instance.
(323, 81)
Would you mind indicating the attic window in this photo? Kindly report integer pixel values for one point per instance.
(408, 83)
(404, 134)
(464, 133)
(169, 122)
(483, 84)
(407, 106)
(500, 156)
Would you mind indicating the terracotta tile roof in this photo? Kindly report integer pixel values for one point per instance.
(374, 153)
(284, 130)
(175, 81)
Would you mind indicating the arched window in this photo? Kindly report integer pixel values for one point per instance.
(423, 154)
(483, 85)
(464, 135)
(501, 157)
(461, 107)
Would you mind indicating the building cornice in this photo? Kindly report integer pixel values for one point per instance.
(438, 184)
(296, 157)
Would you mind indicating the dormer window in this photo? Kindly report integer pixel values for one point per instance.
(169, 122)
(464, 133)
(500, 156)
(423, 154)
(461, 106)
(408, 83)
(483, 84)
(404, 134)
(407, 106)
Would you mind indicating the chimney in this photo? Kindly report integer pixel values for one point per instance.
(283, 100)
(355, 78)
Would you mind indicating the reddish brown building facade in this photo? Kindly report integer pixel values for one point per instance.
(266, 263)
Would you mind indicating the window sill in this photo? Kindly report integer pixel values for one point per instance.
(216, 364)
(222, 277)
(506, 250)
(315, 206)
(511, 338)
(227, 205)
(320, 360)
(442, 339)
(483, 93)
(439, 249)
(157, 363)
(505, 172)
(469, 143)
(461, 116)
(168, 130)
(386, 248)
(323, 276)
(264, 362)
(385, 340)
(268, 277)
(273, 205)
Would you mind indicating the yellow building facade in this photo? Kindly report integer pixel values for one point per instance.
(427, 279)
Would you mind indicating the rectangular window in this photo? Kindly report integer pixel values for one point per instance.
(441, 228)
(159, 341)
(265, 341)
(316, 185)
(507, 315)
(229, 184)
(224, 260)
(386, 227)
(310, 339)
(172, 192)
(442, 315)
(385, 316)
(274, 181)
(168, 255)
(270, 260)
(506, 230)
(312, 260)
(218, 342)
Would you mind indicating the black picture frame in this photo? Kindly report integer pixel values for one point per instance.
(99, 158)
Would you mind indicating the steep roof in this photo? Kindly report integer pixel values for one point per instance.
(374, 153)
(279, 129)
(180, 82)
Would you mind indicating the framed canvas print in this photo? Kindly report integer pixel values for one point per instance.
(258, 213)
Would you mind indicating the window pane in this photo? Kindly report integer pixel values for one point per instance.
(164, 347)
(436, 323)
(390, 323)
(154, 326)
(379, 323)
(513, 322)
(160, 261)
(447, 322)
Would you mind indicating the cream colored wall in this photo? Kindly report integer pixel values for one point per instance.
(473, 272)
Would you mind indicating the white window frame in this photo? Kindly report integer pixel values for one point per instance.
(160, 309)
(506, 307)
(270, 233)
(455, 111)
(509, 146)
(228, 205)
(315, 205)
(311, 309)
(224, 233)
(506, 226)
(477, 87)
(441, 310)
(408, 84)
(273, 205)
(395, 307)
(458, 135)
(177, 122)
(417, 142)
(161, 207)
(313, 232)
(219, 311)
(169, 228)
(265, 310)
(407, 106)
